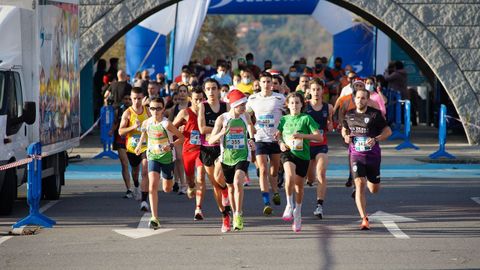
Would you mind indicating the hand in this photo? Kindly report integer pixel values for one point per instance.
(138, 150)
(277, 136)
(137, 124)
(284, 147)
(166, 148)
(298, 136)
(181, 129)
(370, 142)
(347, 139)
(251, 143)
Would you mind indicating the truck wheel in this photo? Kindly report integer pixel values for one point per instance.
(52, 187)
(8, 192)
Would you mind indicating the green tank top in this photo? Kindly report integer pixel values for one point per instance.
(235, 142)
(157, 138)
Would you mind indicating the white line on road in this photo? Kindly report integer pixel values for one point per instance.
(476, 199)
(41, 210)
(142, 229)
(395, 230)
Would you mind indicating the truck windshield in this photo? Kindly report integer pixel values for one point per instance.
(2, 90)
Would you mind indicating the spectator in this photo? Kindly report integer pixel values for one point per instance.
(97, 87)
(292, 78)
(222, 77)
(397, 79)
(117, 90)
(251, 65)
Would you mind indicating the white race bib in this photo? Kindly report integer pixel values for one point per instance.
(235, 139)
(195, 137)
(295, 144)
(266, 120)
(360, 144)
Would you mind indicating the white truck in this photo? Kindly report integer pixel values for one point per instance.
(39, 91)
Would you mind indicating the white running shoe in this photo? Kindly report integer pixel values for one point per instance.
(137, 194)
(288, 213)
(144, 206)
(297, 221)
(318, 211)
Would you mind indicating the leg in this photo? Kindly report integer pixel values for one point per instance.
(238, 187)
(122, 154)
(201, 187)
(144, 185)
(374, 188)
(289, 168)
(311, 174)
(262, 161)
(299, 181)
(274, 165)
(217, 189)
(321, 169)
(360, 200)
(153, 192)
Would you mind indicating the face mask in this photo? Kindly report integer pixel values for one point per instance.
(235, 83)
(246, 81)
(221, 73)
(223, 94)
(185, 79)
(249, 62)
(302, 66)
(369, 87)
(208, 67)
(293, 74)
(347, 72)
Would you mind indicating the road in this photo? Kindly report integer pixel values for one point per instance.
(440, 218)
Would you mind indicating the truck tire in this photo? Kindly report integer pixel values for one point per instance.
(52, 187)
(8, 192)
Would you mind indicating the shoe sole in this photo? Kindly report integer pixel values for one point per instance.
(154, 226)
(320, 216)
(364, 228)
(267, 211)
(287, 218)
(144, 209)
(197, 217)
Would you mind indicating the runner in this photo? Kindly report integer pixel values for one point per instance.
(295, 132)
(322, 113)
(160, 153)
(207, 114)
(232, 129)
(130, 126)
(191, 150)
(267, 107)
(119, 145)
(362, 129)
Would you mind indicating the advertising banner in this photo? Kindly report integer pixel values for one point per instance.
(250, 7)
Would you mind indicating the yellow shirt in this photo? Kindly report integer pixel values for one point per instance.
(133, 137)
(245, 88)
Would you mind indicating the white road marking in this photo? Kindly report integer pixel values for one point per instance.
(142, 229)
(388, 220)
(476, 199)
(41, 210)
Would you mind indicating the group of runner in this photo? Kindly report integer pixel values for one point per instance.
(267, 128)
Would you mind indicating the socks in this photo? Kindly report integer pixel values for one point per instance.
(320, 202)
(290, 200)
(144, 196)
(225, 192)
(266, 198)
(298, 210)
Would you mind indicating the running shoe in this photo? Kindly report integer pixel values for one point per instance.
(309, 183)
(276, 199)
(155, 223)
(349, 182)
(318, 211)
(247, 181)
(144, 206)
(198, 214)
(191, 192)
(175, 187)
(238, 223)
(226, 224)
(288, 213)
(137, 194)
(297, 221)
(267, 210)
(365, 225)
(128, 194)
(182, 191)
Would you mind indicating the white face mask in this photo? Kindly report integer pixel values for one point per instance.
(223, 94)
(246, 80)
(235, 83)
(221, 73)
(369, 87)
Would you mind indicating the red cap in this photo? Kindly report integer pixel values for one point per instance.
(236, 97)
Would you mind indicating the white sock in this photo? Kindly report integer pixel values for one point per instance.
(290, 201)
(298, 209)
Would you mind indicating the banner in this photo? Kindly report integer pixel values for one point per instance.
(275, 7)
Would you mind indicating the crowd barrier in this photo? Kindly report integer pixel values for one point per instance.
(107, 117)
(442, 136)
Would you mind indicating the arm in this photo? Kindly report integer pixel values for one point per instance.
(143, 137)
(386, 132)
(330, 118)
(218, 131)
(181, 116)
(202, 125)
(180, 138)
(124, 128)
(346, 135)
(314, 136)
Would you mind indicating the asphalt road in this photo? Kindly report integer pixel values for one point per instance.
(441, 231)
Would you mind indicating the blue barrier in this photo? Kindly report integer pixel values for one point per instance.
(107, 115)
(406, 143)
(34, 191)
(442, 136)
(396, 127)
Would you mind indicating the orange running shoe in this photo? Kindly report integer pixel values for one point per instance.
(226, 224)
(365, 224)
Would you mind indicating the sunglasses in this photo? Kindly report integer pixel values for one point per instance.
(156, 108)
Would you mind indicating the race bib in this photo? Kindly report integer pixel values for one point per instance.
(157, 148)
(235, 139)
(134, 141)
(266, 120)
(195, 137)
(360, 144)
(295, 144)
